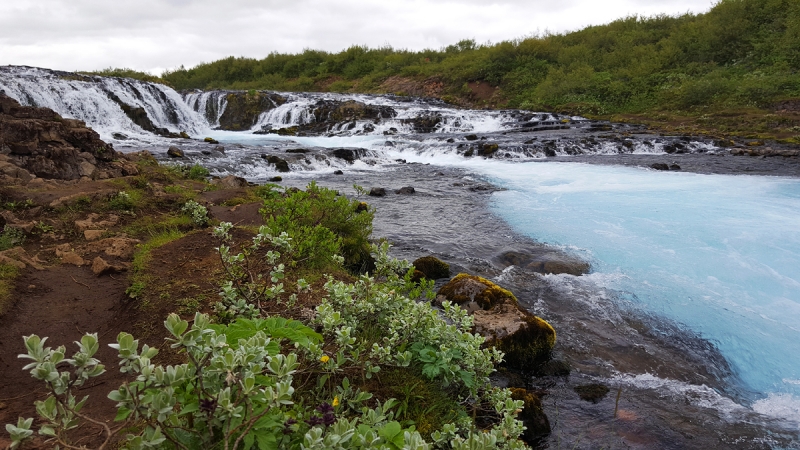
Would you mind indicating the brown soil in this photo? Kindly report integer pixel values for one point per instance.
(63, 301)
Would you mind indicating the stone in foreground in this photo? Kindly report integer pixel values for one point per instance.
(526, 339)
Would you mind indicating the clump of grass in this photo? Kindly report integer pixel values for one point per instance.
(11, 237)
(139, 279)
(8, 274)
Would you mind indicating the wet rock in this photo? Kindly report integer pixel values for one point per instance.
(532, 416)
(674, 167)
(175, 152)
(425, 122)
(230, 182)
(432, 268)
(276, 179)
(487, 149)
(547, 263)
(591, 392)
(219, 149)
(244, 107)
(471, 137)
(297, 150)
(348, 154)
(184, 135)
(407, 190)
(659, 166)
(119, 136)
(281, 164)
(338, 172)
(210, 140)
(377, 192)
(206, 152)
(526, 339)
(389, 144)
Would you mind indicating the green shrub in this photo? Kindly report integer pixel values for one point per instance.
(321, 224)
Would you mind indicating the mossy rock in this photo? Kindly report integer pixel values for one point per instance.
(532, 416)
(433, 268)
(592, 392)
(526, 340)
(464, 288)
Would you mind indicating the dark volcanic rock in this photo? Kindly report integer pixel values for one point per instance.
(42, 142)
(377, 192)
(405, 190)
(426, 122)
(279, 163)
(348, 154)
(244, 107)
(175, 152)
(659, 166)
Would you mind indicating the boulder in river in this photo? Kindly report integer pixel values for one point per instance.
(175, 152)
(407, 190)
(532, 416)
(432, 267)
(526, 339)
(377, 192)
(659, 166)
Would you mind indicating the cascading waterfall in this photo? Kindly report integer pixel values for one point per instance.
(209, 104)
(90, 98)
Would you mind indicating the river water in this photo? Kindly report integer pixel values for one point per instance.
(691, 311)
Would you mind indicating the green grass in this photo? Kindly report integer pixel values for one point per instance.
(139, 278)
(8, 274)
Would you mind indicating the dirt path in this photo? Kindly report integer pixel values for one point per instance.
(62, 302)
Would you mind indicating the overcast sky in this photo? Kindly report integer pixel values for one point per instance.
(153, 35)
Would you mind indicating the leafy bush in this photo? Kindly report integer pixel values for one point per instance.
(197, 212)
(321, 224)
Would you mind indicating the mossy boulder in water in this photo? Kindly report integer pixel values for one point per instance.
(532, 416)
(526, 339)
(432, 267)
(464, 289)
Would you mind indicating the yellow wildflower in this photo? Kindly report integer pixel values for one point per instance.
(335, 401)
(325, 358)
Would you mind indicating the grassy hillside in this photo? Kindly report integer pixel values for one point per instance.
(726, 71)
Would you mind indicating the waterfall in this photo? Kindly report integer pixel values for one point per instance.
(102, 102)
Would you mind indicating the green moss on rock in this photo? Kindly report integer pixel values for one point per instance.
(432, 267)
(464, 288)
(536, 423)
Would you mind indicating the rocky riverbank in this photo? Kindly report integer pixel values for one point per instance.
(111, 251)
